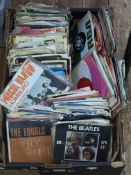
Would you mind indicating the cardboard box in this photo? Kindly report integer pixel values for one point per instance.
(94, 168)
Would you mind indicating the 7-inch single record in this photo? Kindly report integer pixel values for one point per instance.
(77, 141)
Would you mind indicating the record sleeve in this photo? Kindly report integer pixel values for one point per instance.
(87, 73)
(31, 85)
(83, 39)
(81, 141)
(29, 140)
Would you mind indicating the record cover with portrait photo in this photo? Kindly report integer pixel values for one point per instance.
(81, 141)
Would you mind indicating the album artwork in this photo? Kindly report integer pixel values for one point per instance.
(31, 85)
(83, 39)
(81, 142)
(29, 140)
(81, 146)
